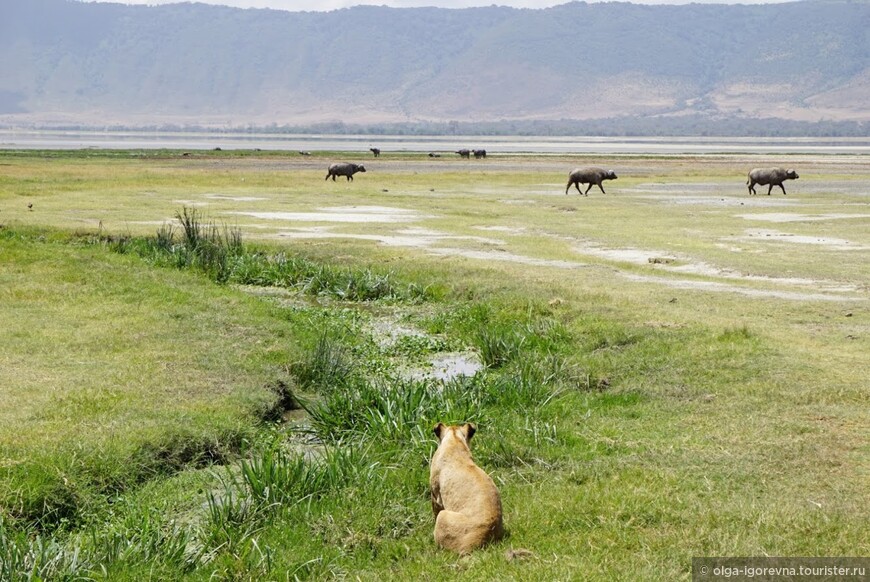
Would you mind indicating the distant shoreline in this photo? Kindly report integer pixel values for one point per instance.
(80, 139)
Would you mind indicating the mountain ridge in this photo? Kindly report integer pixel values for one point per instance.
(92, 64)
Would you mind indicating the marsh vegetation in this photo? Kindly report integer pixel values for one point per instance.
(188, 391)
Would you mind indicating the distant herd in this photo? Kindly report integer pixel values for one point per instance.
(769, 177)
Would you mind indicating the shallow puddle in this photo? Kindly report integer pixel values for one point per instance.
(449, 366)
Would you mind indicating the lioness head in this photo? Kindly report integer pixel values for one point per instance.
(464, 432)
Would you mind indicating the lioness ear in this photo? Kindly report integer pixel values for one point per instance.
(470, 429)
(439, 428)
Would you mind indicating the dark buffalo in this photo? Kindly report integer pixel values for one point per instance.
(344, 169)
(464, 153)
(375, 151)
(769, 177)
(591, 176)
(479, 154)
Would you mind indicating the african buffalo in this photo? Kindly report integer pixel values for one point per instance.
(591, 176)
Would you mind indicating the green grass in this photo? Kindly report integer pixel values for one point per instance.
(629, 425)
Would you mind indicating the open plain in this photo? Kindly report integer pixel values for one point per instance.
(673, 369)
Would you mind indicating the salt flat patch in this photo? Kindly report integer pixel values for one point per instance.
(790, 217)
(347, 214)
(409, 237)
(507, 229)
(677, 187)
(235, 198)
(369, 209)
(506, 257)
(726, 288)
(703, 193)
(191, 202)
(705, 269)
(714, 200)
(659, 261)
(839, 244)
(635, 256)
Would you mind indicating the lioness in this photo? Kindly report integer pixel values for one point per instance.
(466, 502)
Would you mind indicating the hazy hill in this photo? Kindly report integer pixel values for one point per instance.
(65, 61)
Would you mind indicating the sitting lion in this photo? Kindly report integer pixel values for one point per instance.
(466, 503)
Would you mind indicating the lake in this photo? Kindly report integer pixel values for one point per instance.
(77, 139)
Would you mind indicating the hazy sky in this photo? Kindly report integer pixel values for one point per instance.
(334, 4)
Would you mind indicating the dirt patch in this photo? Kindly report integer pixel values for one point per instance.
(665, 262)
(411, 237)
(838, 244)
(634, 256)
(505, 229)
(505, 257)
(235, 198)
(348, 214)
(715, 286)
(789, 217)
(723, 201)
(703, 193)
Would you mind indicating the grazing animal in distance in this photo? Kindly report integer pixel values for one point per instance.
(479, 154)
(301, 153)
(376, 152)
(434, 155)
(770, 177)
(343, 169)
(465, 500)
(464, 153)
(591, 176)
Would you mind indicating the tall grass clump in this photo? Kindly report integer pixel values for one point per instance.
(275, 481)
(200, 245)
(208, 246)
(276, 476)
(329, 364)
(312, 278)
(143, 537)
(498, 346)
(393, 410)
(219, 252)
(36, 558)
